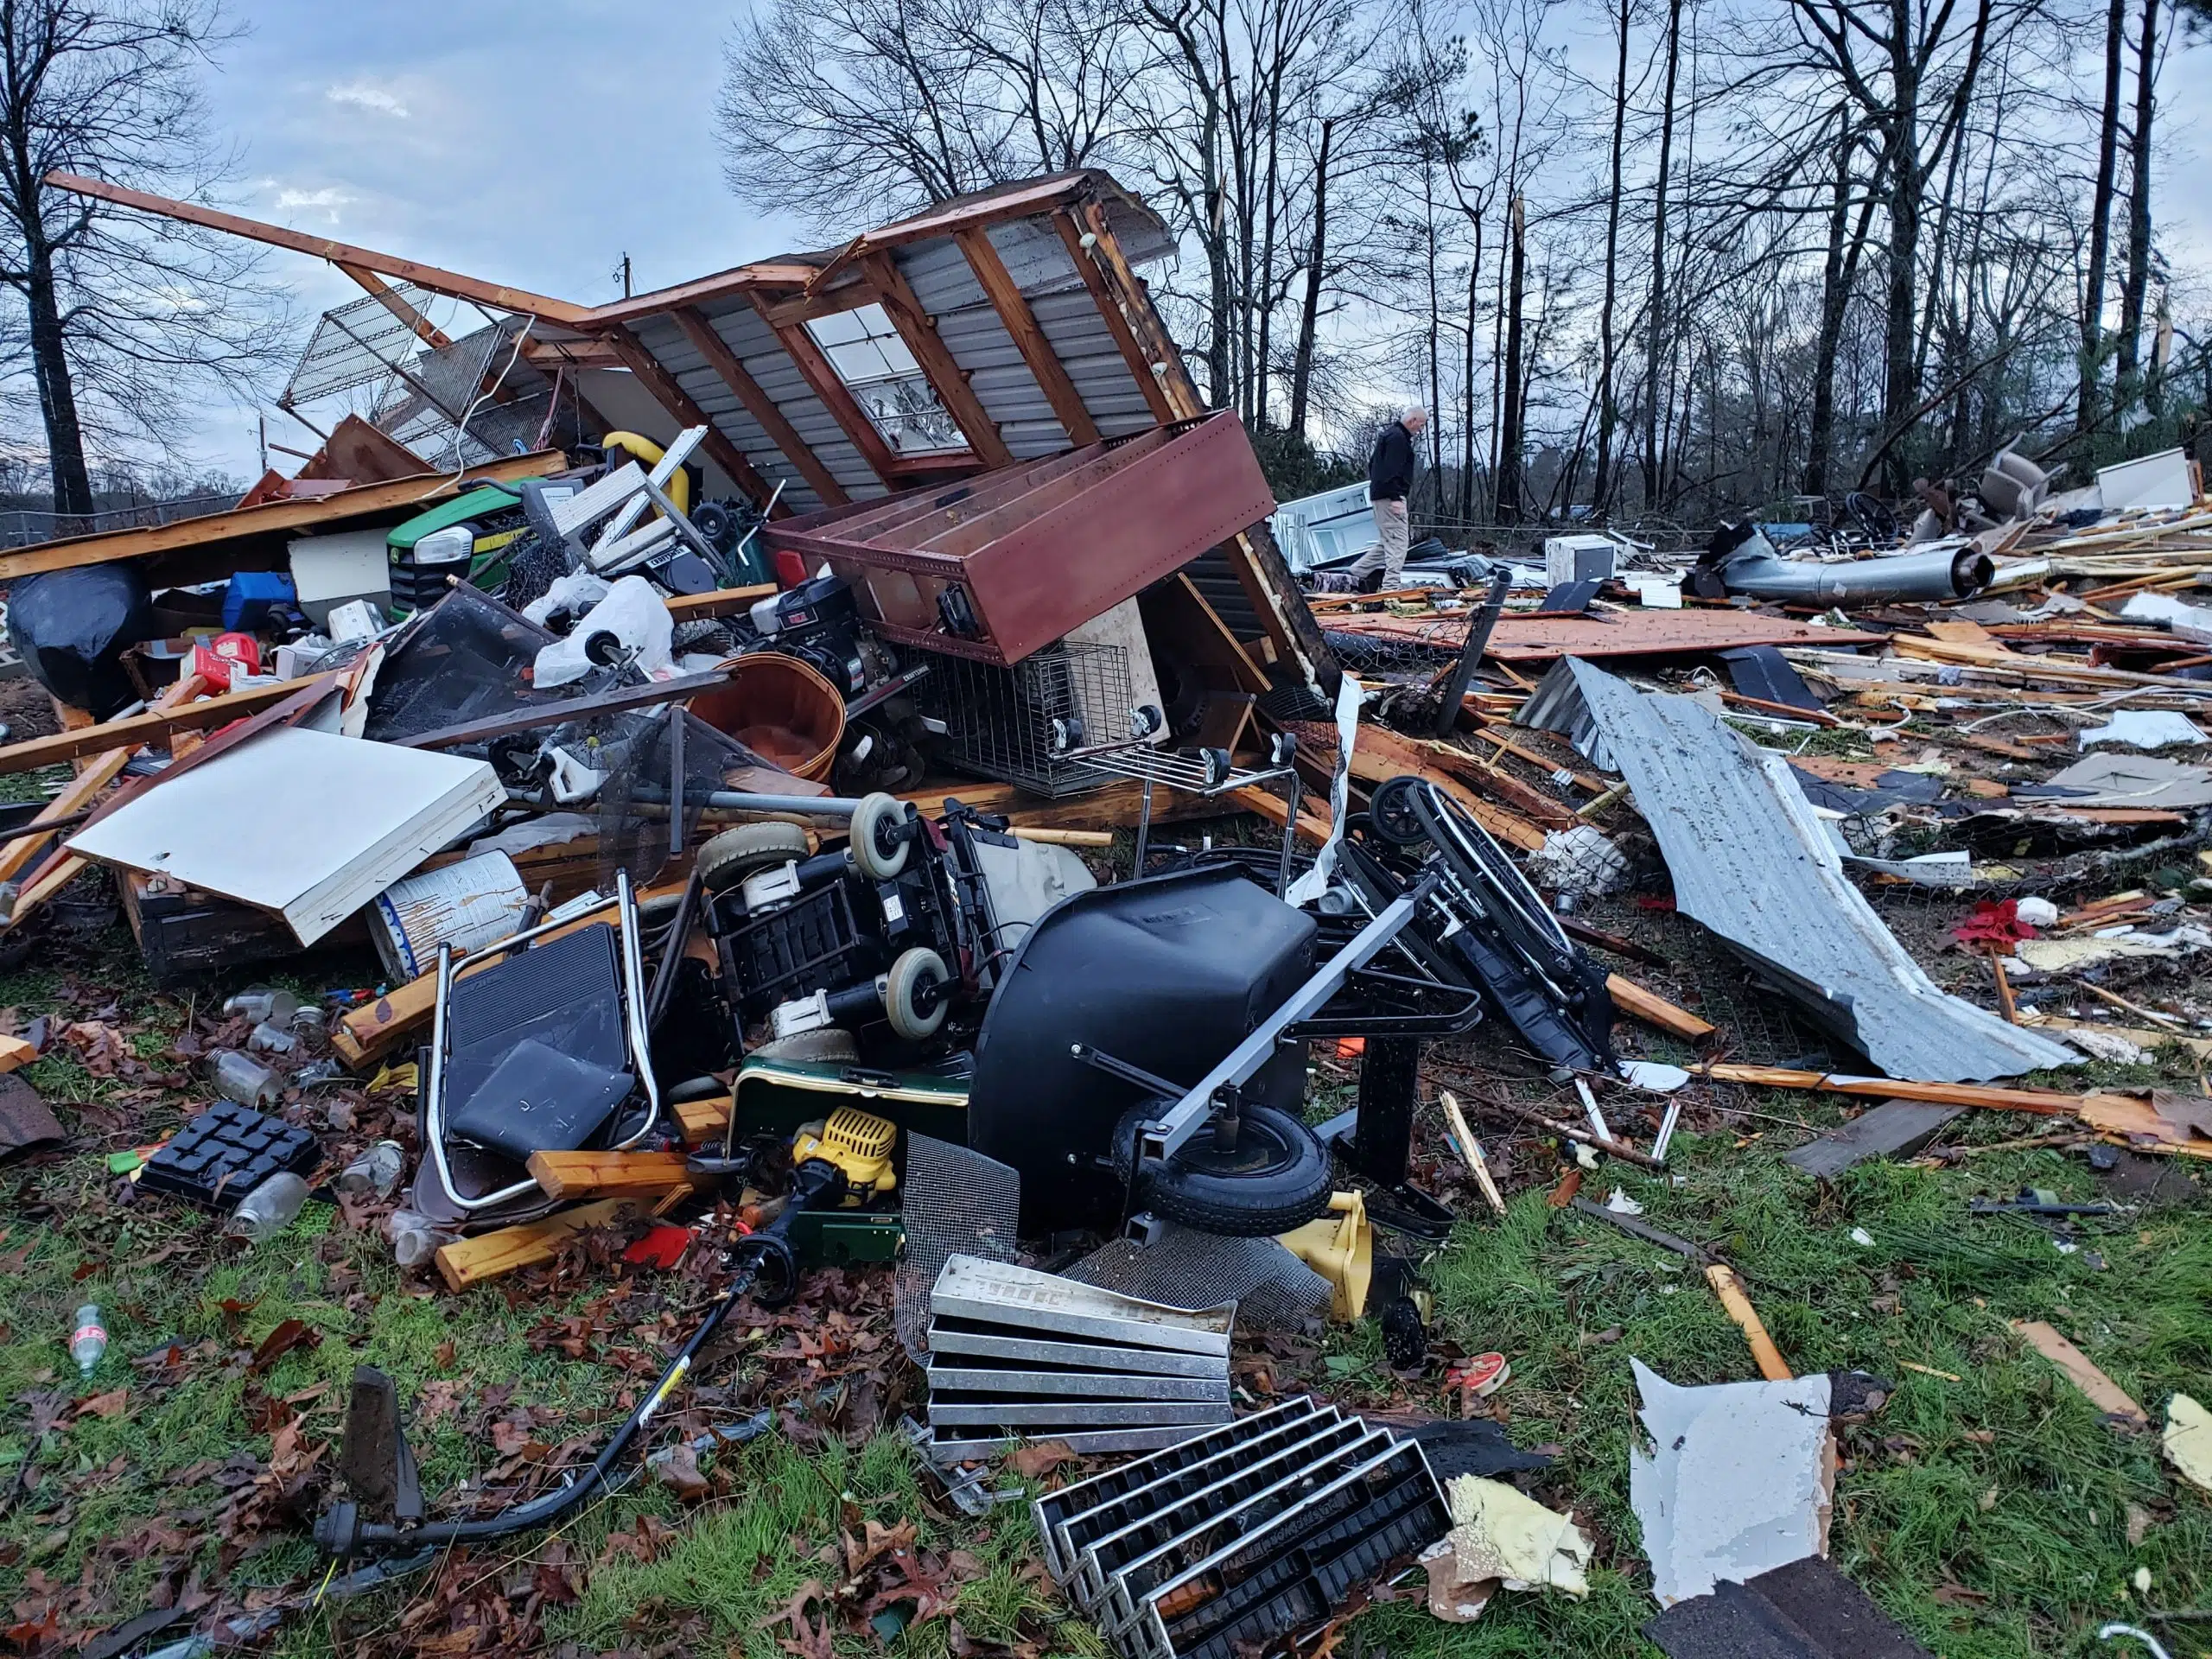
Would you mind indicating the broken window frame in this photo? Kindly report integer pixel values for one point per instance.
(901, 402)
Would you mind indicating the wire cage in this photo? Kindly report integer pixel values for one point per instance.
(1015, 724)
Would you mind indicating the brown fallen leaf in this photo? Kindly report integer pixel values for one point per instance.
(1034, 1462)
(287, 1335)
(111, 1404)
(1957, 1595)
(809, 1640)
(445, 1353)
(677, 1469)
(875, 1539)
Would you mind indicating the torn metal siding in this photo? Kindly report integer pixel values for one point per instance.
(1751, 861)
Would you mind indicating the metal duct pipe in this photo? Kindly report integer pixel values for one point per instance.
(1947, 572)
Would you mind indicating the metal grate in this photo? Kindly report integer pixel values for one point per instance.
(1184, 1268)
(957, 1202)
(1015, 724)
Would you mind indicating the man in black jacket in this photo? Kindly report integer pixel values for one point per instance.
(1389, 480)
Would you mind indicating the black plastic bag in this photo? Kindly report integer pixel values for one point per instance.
(72, 628)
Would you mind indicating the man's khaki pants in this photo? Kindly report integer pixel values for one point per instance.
(1390, 557)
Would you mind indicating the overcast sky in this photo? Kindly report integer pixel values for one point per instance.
(528, 143)
(536, 144)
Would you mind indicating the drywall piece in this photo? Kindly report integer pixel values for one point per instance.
(2103, 1392)
(2121, 779)
(2145, 728)
(1740, 1479)
(1896, 1128)
(306, 824)
(328, 571)
(2188, 622)
(2160, 480)
(2189, 1439)
(1498, 1533)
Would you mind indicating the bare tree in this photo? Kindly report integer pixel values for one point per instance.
(125, 323)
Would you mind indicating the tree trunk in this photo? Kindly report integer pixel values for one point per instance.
(1301, 372)
(1835, 297)
(2138, 287)
(2092, 310)
(1900, 389)
(1601, 487)
(57, 396)
(1467, 387)
(1658, 320)
(1509, 445)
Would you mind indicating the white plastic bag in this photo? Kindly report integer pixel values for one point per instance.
(634, 613)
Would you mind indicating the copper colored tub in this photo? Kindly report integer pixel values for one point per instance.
(779, 709)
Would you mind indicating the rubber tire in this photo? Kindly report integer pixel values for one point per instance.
(871, 817)
(1390, 812)
(828, 1045)
(729, 857)
(906, 976)
(1286, 1180)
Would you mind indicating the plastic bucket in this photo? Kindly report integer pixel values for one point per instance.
(779, 707)
(468, 905)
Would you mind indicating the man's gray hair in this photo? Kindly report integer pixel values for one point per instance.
(1414, 411)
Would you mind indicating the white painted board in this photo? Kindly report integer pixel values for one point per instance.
(309, 824)
(2160, 480)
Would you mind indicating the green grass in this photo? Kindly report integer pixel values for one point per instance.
(2004, 1490)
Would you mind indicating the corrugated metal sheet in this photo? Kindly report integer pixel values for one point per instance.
(939, 273)
(1752, 862)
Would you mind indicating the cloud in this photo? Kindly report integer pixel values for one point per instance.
(368, 97)
(328, 200)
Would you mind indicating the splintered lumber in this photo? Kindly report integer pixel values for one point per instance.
(491, 1256)
(15, 1051)
(702, 1121)
(1654, 1009)
(2101, 1391)
(1381, 756)
(156, 726)
(1262, 799)
(608, 1174)
(1730, 1290)
(2049, 1102)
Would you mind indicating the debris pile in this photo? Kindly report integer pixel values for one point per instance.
(948, 894)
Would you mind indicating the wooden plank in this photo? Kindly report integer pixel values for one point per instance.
(156, 726)
(1005, 296)
(1132, 350)
(722, 601)
(14, 1053)
(949, 381)
(2048, 1102)
(759, 404)
(807, 356)
(496, 295)
(1381, 755)
(608, 1174)
(1650, 1006)
(2101, 1391)
(1730, 1289)
(491, 1256)
(415, 493)
(686, 411)
(1896, 1128)
(702, 1121)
